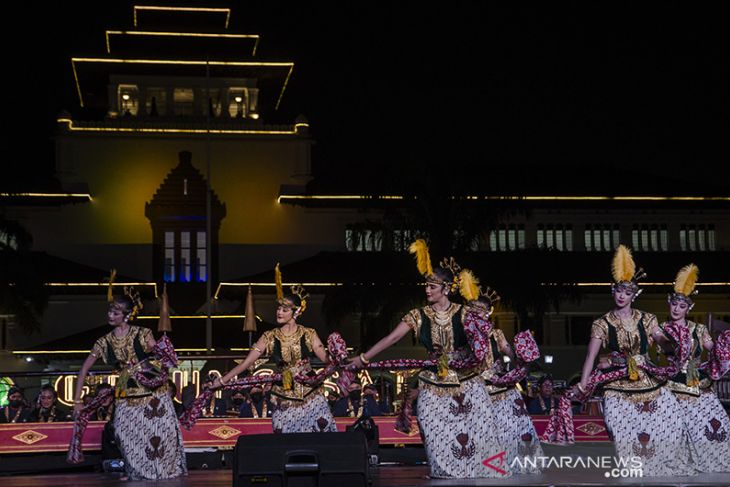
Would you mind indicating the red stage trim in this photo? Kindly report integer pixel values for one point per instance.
(223, 433)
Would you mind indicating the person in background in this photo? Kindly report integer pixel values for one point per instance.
(17, 410)
(47, 408)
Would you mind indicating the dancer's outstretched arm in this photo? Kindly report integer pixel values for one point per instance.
(594, 346)
(256, 351)
(391, 339)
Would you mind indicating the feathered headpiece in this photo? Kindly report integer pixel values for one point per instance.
(129, 291)
(423, 258)
(279, 285)
(423, 261)
(110, 289)
(469, 285)
(624, 269)
(134, 296)
(297, 290)
(685, 283)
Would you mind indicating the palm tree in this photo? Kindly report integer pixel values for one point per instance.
(23, 294)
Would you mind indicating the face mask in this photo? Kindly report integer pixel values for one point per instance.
(256, 396)
(237, 401)
(16, 403)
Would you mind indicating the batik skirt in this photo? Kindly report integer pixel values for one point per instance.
(460, 435)
(650, 426)
(148, 434)
(311, 415)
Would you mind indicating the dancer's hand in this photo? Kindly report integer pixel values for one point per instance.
(355, 363)
(604, 362)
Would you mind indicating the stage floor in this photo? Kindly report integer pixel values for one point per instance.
(396, 476)
(400, 476)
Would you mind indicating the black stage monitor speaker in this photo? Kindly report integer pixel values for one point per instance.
(301, 460)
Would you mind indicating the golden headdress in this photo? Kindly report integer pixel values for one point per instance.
(423, 261)
(623, 268)
(297, 290)
(129, 292)
(473, 294)
(685, 284)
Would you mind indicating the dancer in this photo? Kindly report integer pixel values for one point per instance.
(643, 417)
(708, 423)
(454, 409)
(145, 426)
(297, 408)
(517, 432)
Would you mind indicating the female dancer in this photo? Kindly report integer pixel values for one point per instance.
(145, 425)
(708, 423)
(454, 408)
(643, 416)
(297, 407)
(517, 433)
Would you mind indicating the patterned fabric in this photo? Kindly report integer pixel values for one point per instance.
(719, 359)
(75, 451)
(516, 431)
(653, 431)
(560, 427)
(460, 432)
(131, 412)
(148, 435)
(478, 327)
(709, 431)
(313, 415)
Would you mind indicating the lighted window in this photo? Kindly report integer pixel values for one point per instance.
(711, 238)
(183, 100)
(169, 270)
(201, 274)
(237, 102)
(602, 237)
(128, 100)
(507, 237)
(185, 267)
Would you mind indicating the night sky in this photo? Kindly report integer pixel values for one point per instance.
(456, 88)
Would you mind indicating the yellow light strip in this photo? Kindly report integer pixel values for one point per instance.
(591, 284)
(180, 34)
(227, 11)
(515, 198)
(75, 60)
(39, 352)
(600, 198)
(337, 197)
(283, 88)
(73, 128)
(48, 195)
